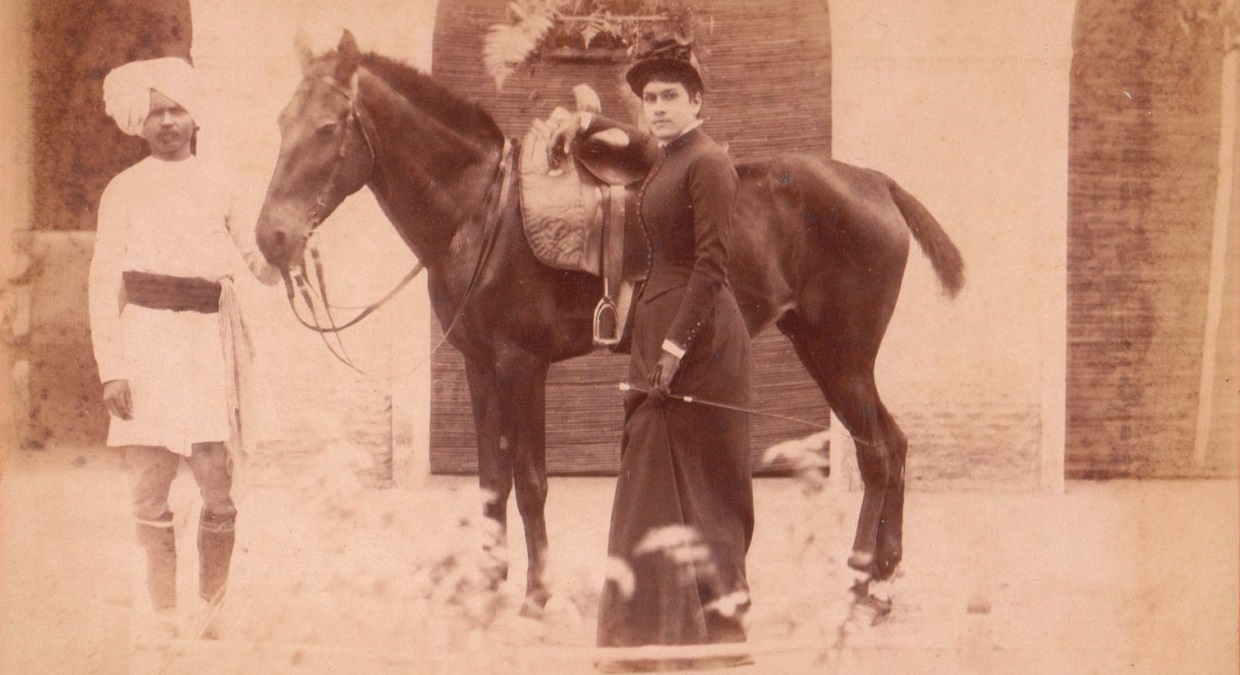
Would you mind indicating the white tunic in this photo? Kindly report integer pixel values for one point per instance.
(168, 218)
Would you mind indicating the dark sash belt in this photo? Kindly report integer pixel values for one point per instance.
(179, 294)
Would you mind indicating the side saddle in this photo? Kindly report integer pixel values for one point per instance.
(582, 216)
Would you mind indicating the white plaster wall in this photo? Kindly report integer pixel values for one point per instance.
(965, 103)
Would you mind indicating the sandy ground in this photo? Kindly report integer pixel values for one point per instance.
(334, 577)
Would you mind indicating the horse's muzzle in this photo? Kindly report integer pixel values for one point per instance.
(278, 246)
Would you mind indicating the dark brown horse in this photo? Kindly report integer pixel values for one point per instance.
(819, 251)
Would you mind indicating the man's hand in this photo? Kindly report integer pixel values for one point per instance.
(118, 399)
(661, 377)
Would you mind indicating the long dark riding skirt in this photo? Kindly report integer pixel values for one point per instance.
(682, 518)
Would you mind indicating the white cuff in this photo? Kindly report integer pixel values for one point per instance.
(586, 119)
(673, 349)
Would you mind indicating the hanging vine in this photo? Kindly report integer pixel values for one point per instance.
(543, 29)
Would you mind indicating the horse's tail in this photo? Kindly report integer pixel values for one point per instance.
(944, 256)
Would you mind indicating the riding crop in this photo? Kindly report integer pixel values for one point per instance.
(625, 386)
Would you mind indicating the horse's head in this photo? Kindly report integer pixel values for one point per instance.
(327, 152)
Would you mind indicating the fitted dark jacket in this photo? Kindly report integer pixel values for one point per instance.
(685, 208)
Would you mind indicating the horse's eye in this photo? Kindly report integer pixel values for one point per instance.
(326, 129)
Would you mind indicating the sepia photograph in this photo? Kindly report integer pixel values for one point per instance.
(606, 336)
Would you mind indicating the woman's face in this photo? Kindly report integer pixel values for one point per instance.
(668, 108)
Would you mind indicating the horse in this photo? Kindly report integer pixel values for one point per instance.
(819, 252)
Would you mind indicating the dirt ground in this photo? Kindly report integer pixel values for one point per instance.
(331, 576)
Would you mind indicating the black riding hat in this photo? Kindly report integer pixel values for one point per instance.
(668, 56)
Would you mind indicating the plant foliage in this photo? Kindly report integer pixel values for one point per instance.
(539, 28)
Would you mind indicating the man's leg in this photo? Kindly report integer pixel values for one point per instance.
(152, 470)
(216, 525)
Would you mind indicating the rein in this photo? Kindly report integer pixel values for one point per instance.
(496, 199)
(298, 279)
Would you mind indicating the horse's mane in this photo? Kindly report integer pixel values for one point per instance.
(431, 96)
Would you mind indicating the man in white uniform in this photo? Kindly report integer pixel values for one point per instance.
(165, 326)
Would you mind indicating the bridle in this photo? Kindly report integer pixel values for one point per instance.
(342, 150)
(297, 278)
(496, 198)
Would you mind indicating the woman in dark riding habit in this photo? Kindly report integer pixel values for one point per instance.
(682, 518)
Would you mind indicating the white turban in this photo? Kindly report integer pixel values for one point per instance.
(127, 90)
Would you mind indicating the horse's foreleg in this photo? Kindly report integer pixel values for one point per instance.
(494, 456)
(523, 380)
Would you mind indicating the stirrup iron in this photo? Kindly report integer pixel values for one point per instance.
(606, 323)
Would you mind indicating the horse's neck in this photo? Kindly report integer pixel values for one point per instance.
(430, 179)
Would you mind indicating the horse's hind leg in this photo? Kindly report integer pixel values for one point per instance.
(881, 451)
(846, 379)
(854, 399)
(890, 547)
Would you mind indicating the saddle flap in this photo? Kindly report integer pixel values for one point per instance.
(561, 211)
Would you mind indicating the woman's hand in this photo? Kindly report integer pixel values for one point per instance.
(118, 399)
(661, 377)
(560, 143)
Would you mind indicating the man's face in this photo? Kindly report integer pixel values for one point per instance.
(168, 128)
(668, 108)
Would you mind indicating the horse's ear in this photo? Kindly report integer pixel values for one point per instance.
(301, 45)
(347, 57)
